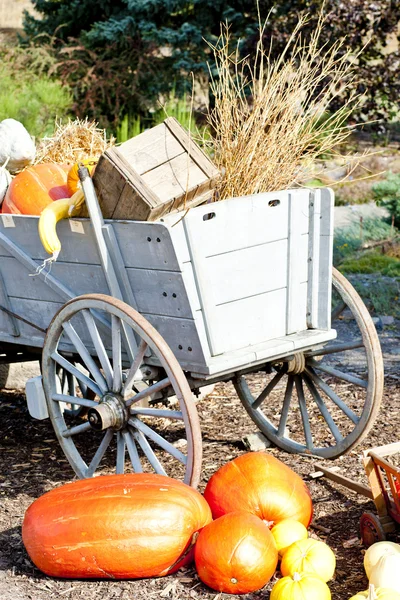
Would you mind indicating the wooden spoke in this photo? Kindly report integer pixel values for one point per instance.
(337, 311)
(85, 356)
(101, 450)
(158, 412)
(134, 368)
(303, 412)
(120, 453)
(339, 374)
(286, 406)
(132, 451)
(116, 353)
(73, 400)
(152, 389)
(157, 439)
(99, 346)
(264, 394)
(75, 430)
(323, 410)
(63, 362)
(148, 452)
(334, 348)
(332, 395)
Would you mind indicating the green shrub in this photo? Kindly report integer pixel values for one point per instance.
(387, 193)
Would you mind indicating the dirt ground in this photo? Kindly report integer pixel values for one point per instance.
(31, 463)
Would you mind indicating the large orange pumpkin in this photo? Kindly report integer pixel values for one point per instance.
(236, 554)
(35, 187)
(114, 526)
(259, 483)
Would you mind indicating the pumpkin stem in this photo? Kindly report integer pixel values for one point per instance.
(296, 577)
(269, 524)
(233, 580)
(371, 592)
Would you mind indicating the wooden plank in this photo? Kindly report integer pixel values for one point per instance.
(240, 222)
(237, 274)
(377, 491)
(314, 259)
(152, 148)
(296, 261)
(181, 336)
(200, 158)
(386, 450)
(5, 301)
(326, 257)
(109, 182)
(146, 245)
(174, 179)
(359, 488)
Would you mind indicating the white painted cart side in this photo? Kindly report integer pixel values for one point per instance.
(224, 291)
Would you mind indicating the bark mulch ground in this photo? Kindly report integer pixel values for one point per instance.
(32, 463)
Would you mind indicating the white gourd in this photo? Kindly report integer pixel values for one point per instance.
(5, 180)
(385, 573)
(16, 145)
(375, 552)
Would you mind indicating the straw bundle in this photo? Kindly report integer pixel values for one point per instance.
(73, 141)
(270, 119)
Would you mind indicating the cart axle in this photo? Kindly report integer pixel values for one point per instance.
(111, 412)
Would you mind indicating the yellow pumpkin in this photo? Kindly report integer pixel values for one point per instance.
(287, 532)
(376, 594)
(309, 556)
(73, 182)
(300, 586)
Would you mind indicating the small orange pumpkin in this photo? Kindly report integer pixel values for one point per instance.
(236, 554)
(36, 187)
(73, 181)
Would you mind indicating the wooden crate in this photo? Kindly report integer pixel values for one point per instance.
(157, 172)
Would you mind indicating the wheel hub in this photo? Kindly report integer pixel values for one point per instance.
(297, 364)
(110, 412)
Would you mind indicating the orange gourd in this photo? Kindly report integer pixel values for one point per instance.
(115, 526)
(73, 181)
(259, 483)
(35, 187)
(236, 554)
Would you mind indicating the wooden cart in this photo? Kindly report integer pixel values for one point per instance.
(238, 291)
(384, 490)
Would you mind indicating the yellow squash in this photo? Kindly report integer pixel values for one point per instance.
(51, 215)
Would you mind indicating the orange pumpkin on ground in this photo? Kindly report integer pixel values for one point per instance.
(35, 187)
(115, 526)
(73, 181)
(259, 483)
(236, 554)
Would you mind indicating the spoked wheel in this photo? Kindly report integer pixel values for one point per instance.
(371, 529)
(117, 433)
(322, 402)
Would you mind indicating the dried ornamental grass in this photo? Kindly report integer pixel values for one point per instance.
(270, 118)
(74, 141)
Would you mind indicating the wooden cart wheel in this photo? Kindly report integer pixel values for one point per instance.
(117, 426)
(322, 402)
(371, 529)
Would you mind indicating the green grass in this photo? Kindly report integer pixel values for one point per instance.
(35, 100)
(349, 240)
